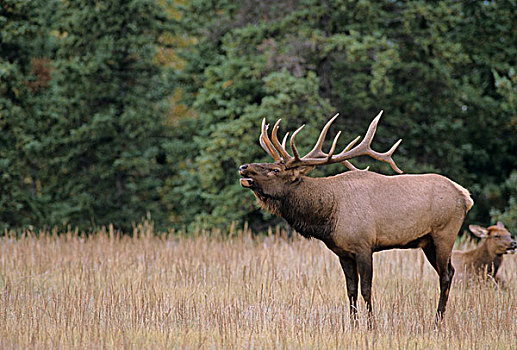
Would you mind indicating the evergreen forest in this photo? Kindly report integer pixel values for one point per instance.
(116, 111)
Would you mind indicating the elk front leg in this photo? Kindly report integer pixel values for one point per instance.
(365, 267)
(349, 267)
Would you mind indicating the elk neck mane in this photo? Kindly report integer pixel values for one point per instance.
(308, 207)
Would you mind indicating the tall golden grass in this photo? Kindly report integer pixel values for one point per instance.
(214, 290)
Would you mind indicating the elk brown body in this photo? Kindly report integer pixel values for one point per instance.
(486, 259)
(358, 213)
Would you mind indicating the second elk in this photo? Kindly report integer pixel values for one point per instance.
(485, 260)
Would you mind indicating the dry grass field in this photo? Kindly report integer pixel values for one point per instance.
(215, 291)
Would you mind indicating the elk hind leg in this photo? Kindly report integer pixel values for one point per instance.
(438, 252)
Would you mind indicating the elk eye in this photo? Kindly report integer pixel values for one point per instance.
(276, 171)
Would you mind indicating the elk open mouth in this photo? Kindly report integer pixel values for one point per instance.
(246, 182)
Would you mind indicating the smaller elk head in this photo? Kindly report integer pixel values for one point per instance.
(499, 240)
(274, 180)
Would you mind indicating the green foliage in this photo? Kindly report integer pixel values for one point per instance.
(21, 95)
(88, 138)
(89, 152)
(509, 194)
(106, 137)
(443, 72)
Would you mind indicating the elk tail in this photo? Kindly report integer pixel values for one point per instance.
(466, 196)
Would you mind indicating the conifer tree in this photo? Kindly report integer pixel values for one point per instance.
(24, 79)
(108, 131)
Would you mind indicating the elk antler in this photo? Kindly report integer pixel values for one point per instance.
(317, 157)
(265, 143)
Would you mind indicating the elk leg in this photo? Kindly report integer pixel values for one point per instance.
(446, 273)
(349, 267)
(441, 262)
(364, 265)
(430, 254)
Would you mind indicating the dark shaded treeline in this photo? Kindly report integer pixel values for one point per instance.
(89, 134)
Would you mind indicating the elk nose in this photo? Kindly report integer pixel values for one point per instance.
(514, 245)
(243, 167)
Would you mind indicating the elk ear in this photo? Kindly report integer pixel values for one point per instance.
(479, 231)
(500, 224)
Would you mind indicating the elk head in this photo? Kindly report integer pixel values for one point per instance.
(499, 240)
(274, 180)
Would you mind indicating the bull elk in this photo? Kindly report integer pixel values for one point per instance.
(488, 257)
(359, 212)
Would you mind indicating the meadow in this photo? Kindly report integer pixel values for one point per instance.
(230, 290)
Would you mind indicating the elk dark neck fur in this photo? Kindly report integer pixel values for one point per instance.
(307, 207)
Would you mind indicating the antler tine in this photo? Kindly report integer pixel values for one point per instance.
(347, 148)
(285, 139)
(265, 143)
(351, 144)
(293, 146)
(317, 152)
(346, 162)
(274, 137)
(386, 156)
(372, 129)
(333, 148)
(352, 167)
